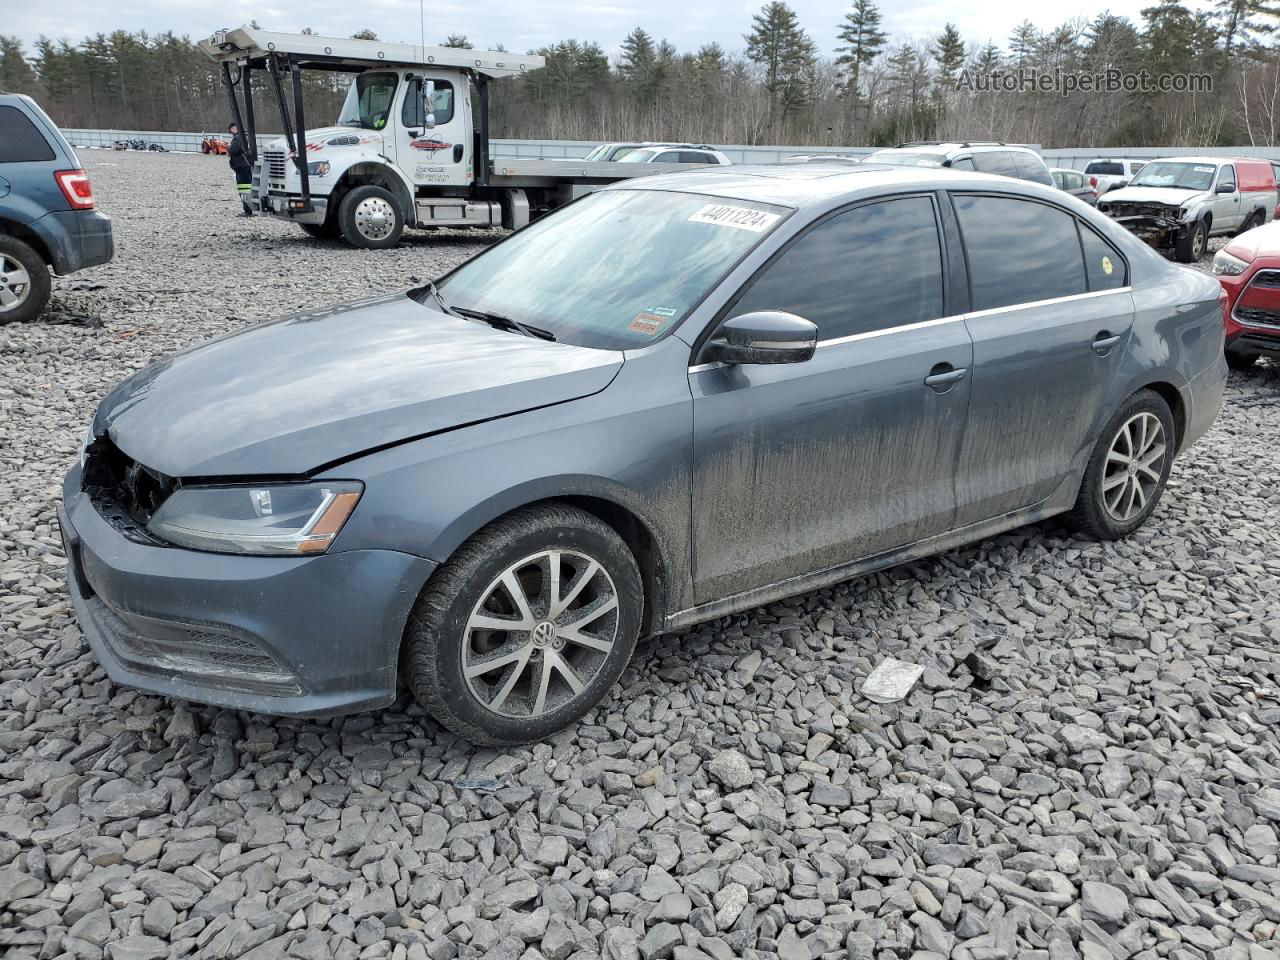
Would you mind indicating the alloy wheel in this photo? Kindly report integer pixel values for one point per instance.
(374, 218)
(540, 634)
(15, 284)
(1134, 467)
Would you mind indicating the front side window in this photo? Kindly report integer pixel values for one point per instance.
(20, 140)
(964, 163)
(1019, 251)
(1175, 174)
(369, 99)
(617, 269)
(869, 268)
(1227, 176)
(441, 104)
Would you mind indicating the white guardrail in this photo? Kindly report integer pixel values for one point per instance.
(1074, 158)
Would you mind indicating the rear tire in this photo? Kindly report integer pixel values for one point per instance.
(371, 217)
(24, 281)
(573, 642)
(1191, 245)
(1127, 470)
(1241, 361)
(1256, 219)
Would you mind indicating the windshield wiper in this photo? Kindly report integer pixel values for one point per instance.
(431, 288)
(502, 323)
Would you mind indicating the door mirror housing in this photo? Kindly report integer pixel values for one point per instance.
(765, 336)
(1226, 188)
(428, 104)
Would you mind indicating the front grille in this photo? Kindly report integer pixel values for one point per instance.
(125, 492)
(1266, 278)
(205, 655)
(1256, 317)
(276, 163)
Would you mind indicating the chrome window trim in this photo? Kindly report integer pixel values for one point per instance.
(1052, 300)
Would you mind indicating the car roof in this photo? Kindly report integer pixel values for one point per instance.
(803, 185)
(1213, 160)
(951, 146)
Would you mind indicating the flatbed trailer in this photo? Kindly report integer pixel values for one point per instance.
(410, 147)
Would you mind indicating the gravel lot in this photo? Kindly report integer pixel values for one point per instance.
(1090, 765)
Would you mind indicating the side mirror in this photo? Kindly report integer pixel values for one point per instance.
(1226, 188)
(765, 336)
(428, 104)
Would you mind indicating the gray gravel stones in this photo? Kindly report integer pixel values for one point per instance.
(1089, 766)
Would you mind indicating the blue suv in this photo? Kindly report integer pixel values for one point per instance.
(47, 219)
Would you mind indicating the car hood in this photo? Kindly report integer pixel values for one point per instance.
(286, 397)
(319, 138)
(1165, 195)
(1259, 242)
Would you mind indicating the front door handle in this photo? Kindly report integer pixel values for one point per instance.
(1103, 343)
(944, 376)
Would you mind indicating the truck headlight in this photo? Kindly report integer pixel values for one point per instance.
(318, 169)
(278, 518)
(1225, 265)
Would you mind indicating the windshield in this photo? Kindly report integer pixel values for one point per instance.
(904, 158)
(368, 102)
(617, 269)
(1181, 176)
(635, 156)
(597, 153)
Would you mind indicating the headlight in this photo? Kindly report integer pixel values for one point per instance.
(1225, 265)
(86, 442)
(282, 518)
(318, 169)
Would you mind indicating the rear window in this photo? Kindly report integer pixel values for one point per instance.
(1106, 168)
(906, 158)
(20, 140)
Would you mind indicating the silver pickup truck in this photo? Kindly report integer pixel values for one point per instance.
(1180, 202)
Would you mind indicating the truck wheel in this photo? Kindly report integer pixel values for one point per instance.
(371, 217)
(322, 231)
(1256, 219)
(1191, 244)
(24, 281)
(526, 627)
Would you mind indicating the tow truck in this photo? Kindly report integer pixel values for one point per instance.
(410, 146)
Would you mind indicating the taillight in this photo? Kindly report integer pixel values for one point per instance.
(76, 188)
(1093, 182)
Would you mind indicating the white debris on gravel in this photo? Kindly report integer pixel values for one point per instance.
(1067, 779)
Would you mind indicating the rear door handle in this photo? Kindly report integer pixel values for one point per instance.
(1103, 343)
(944, 376)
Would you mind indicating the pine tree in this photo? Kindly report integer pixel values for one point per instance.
(459, 41)
(1023, 42)
(988, 60)
(638, 55)
(863, 40)
(1243, 23)
(948, 50)
(365, 34)
(779, 44)
(16, 74)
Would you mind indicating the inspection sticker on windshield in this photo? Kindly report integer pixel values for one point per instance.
(647, 323)
(740, 218)
(1204, 169)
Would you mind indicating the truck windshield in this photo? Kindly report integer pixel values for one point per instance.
(618, 269)
(368, 102)
(1179, 176)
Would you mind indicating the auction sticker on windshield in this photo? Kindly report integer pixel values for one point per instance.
(740, 218)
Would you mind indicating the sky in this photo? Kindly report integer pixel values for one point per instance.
(535, 23)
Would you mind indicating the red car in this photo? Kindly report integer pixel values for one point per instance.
(1249, 270)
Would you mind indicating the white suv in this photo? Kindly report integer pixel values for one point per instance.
(674, 154)
(1107, 174)
(1005, 159)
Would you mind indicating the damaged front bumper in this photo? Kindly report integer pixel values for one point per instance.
(1156, 230)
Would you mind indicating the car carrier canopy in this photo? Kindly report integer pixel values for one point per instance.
(334, 53)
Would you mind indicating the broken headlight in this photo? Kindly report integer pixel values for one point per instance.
(280, 518)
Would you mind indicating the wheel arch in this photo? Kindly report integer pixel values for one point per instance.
(608, 502)
(374, 173)
(28, 236)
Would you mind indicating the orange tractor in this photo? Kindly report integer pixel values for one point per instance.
(213, 144)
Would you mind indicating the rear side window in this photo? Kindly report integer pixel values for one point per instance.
(1030, 167)
(1107, 169)
(20, 140)
(1019, 251)
(997, 161)
(1105, 267)
(830, 275)
(1135, 167)
(1075, 181)
(692, 156)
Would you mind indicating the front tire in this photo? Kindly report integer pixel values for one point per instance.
(1241, 361)
(1191, 244)
(24, 281)
(328, 230)
(526, 627)
(371, 217)
(1128, 469)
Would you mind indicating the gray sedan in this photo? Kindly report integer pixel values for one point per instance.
(675, 399)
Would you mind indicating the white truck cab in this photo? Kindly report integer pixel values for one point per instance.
(410, 146)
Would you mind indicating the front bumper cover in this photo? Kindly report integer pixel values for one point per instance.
(304, 636)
